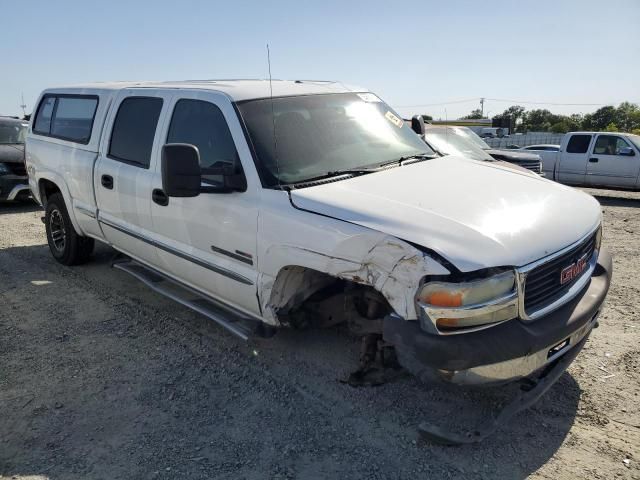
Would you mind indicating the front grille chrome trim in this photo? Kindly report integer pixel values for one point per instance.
(569, 294)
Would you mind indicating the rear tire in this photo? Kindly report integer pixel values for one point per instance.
(66, 245)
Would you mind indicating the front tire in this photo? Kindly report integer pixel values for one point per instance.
(66, 245)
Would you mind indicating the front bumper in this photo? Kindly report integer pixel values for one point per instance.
(507, 351)
(14, 187)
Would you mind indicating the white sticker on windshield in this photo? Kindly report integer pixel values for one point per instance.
(393, 119)
(369, 97)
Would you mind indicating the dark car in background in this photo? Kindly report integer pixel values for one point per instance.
(530, 161)
(451, 140)
(14, 183)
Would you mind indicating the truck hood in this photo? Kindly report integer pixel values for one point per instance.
(474, 214)
(513, 156)
(13, 153)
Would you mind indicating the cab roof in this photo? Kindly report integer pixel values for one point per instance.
(237, 90)
(594, 132)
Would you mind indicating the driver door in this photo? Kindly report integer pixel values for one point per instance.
(209, 241)
(609, 167)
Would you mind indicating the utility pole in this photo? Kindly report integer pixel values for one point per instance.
(482, 107)
(23, 106)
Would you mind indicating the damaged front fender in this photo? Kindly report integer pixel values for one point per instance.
(389, 265)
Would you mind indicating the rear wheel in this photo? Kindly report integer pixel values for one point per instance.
(66, 245)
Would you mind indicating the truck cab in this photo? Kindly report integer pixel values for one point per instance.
(599, 159)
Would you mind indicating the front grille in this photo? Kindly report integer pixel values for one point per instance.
(17, 169)
(543, 283)
(533, 165)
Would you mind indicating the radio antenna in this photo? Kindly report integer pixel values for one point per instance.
(273, 118)
(23, 106)
(446, 128)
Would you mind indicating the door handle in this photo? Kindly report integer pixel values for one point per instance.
(107, 181)
(593, 160)
(159, 197)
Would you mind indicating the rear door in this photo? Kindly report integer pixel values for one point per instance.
(572, 162)
(608, 166)
(209, 242)
(124, 170)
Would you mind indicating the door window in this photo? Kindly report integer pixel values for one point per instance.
(66, 116)
(579, 144)
(202, 124)
(609, 145)
(43, 118)
(74, 118)
(134, 129)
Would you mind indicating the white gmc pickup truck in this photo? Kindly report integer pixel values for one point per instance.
(315, 203)
(593, 159)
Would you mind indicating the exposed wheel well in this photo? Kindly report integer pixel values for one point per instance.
(47, 188)
(303, 296)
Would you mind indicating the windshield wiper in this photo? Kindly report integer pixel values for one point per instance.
(417, 156)
(337, 173)
(364, 170)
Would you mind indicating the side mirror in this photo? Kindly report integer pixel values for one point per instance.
(233, 179)
(180, 170)
(417, 124)
(626, 151)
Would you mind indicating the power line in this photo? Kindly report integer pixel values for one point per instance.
(506, 100)
(468, 100)
(548, 103)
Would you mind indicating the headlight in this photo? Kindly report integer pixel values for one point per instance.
(461, 307)
(4, 169)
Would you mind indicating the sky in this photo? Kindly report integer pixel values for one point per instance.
(428, 57)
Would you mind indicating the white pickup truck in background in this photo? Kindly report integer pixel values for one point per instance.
(595, 159)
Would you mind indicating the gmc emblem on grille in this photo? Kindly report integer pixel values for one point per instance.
(574, 270)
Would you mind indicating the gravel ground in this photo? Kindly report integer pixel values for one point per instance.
(102, 378)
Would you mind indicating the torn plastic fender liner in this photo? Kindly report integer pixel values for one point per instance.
(389, 265)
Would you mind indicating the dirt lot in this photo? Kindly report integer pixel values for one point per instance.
(101, 378)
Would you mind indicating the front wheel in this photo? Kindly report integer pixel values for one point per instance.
(66, 245)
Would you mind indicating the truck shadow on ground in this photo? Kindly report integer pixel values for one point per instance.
(23, 206)
(526, 443)
(151, 383)
(610, 201)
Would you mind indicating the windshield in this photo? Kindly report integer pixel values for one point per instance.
(319, 134)
(472, 137)
(12, 132)
(453, 141)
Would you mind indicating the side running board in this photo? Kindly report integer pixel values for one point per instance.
(233, 320)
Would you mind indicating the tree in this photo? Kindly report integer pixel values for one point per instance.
(611, 128)
(540, 120)
(561, 127)
(575, 121)
(514, 112)
(624, 118)
(475, 114)
(602, 117)
(627, 116)
(509, 117)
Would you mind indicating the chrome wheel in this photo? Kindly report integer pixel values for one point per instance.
(57, 229)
